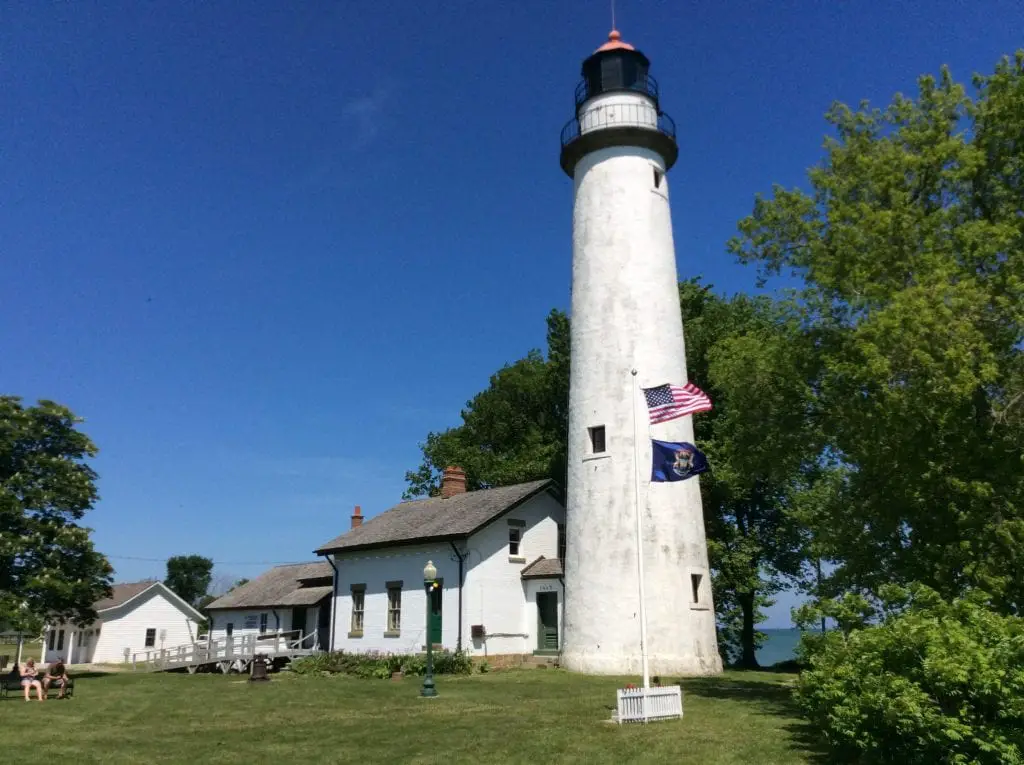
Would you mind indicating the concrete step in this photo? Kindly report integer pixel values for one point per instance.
(540, 661)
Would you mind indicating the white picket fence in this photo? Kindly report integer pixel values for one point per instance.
(645, 704)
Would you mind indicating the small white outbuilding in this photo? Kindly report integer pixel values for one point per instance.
(138, 616)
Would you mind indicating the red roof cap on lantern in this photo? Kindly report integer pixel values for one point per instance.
(614, 43)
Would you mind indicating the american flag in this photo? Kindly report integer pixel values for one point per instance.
(667, 402)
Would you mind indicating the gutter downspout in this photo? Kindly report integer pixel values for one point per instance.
(462, 562)
(334, 604)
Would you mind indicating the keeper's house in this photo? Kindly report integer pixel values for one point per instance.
(498, 555)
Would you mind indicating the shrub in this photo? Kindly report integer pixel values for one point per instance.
(932, 682)
(381, 665)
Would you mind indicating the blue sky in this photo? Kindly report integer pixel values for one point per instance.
(264, 248)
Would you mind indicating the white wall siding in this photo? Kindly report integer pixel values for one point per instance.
(239, 618)
(75, 646)
(495, 594)
(374, 568)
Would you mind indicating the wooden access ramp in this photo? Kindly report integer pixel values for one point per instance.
(224, 654)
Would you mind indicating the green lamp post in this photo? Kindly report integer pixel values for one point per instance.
(429, 583)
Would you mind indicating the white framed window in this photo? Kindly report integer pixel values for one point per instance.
(150, 637)
(516, 528)
(394, 627)
(263, 624)
(358, 606)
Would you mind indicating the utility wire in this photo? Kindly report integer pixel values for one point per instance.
(216, 562)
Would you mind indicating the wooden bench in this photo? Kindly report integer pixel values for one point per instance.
(11, 685)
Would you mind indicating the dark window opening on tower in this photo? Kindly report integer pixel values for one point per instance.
(695, 580)
(658, 175)
(597, 439)
(513, 541)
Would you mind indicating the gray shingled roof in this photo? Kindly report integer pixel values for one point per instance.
(122, 593)
(280, 586)
(542, 568)
(435, 518)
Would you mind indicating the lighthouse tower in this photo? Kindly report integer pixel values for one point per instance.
(625, 318)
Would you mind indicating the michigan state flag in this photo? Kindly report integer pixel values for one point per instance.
(676, 461)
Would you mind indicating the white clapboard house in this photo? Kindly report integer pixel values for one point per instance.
(293, 599)
(498, 556)
(138, 616)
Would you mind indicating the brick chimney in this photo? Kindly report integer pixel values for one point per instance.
(357, 517)
(453, 482)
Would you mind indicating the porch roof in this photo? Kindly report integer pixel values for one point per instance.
(543, 568)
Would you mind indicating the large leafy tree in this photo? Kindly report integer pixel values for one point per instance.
(910, 243)
(48, 566)
(188, 576)
(764, 445)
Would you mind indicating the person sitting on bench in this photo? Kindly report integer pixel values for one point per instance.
(29, 680)
(56, 672)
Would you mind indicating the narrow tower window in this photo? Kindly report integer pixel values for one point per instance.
(597, 439)
(658, 175)
(513, 540)
(695, 580)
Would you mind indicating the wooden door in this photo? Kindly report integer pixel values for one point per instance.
(547, 621)
(436, 607)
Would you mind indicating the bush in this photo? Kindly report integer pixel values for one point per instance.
(932, 682)
(382, 665)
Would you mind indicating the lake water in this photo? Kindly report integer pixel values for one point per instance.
(779, 645)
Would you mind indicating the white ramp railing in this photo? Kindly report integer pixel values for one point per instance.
(227, 649)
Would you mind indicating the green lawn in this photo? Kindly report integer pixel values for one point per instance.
(29, 650)
(525, 716)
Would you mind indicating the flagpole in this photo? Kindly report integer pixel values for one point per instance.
(639, 545)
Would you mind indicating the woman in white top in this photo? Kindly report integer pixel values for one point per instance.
(29, 680)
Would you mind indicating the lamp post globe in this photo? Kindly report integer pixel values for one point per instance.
(429, 581)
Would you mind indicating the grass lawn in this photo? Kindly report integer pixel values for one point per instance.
(525, 716)
(29, 650)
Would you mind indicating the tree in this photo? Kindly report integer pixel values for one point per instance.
(188, 576)
(911, 247)
(930, 680)
(48, 566)
(513, 432)
(763, 445)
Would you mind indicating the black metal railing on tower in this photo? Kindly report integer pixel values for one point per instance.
(619, 115)
(642, 84)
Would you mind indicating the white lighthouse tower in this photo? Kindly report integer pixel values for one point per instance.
(625, 317)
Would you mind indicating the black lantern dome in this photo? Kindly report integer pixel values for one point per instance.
(618, 67)
(615, 66)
